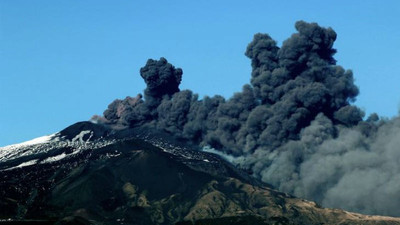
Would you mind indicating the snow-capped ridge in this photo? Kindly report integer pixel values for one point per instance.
(81, 136)
(34, 141)
(11, 151)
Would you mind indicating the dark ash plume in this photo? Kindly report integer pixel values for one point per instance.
(161, 78)
(293, 126)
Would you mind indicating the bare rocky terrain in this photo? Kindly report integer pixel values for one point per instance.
(86, 174)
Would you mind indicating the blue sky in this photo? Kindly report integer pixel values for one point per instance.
(64, 61)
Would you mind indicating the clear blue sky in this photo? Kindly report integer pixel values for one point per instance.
(64, 61)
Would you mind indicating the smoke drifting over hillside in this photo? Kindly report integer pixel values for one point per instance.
(293, 125)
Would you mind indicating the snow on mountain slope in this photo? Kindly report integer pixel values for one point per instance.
(46, 149)
(35, 141)
(25, 148)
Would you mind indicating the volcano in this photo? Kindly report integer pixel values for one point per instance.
(91, 174)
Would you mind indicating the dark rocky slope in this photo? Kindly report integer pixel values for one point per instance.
(88, 174)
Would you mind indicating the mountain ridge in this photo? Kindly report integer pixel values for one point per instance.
(129, 177)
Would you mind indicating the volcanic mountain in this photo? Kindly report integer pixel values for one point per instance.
(91, 174)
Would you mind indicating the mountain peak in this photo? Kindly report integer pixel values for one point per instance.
(97, 178)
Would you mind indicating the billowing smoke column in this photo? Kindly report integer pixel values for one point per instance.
(161, 79)
(292, 126)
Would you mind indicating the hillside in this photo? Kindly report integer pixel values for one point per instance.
(87, 174)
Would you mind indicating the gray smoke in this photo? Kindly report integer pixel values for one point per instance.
(293, 126)
(338, 166)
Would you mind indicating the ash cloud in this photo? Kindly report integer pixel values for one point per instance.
(338, 167)
(293, 125)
